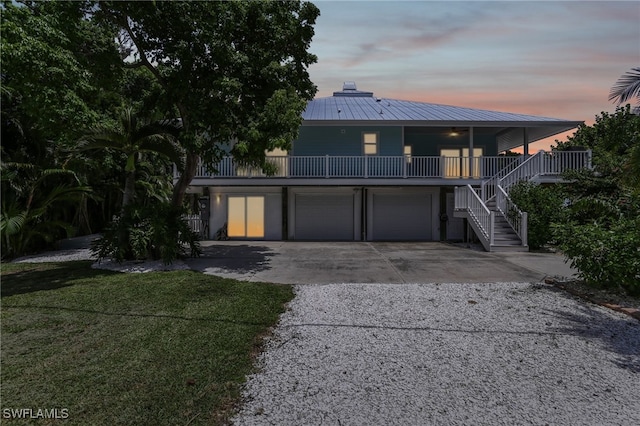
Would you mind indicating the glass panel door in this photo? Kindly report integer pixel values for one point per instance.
(255, 217)
(245, 217)
(477, 153)
(236, 218)
(457, 162)
(451, 162)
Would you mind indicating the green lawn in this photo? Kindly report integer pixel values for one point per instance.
(165, 348)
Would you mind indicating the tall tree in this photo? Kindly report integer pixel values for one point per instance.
(60, 74)
(58, 69)
(235, 72)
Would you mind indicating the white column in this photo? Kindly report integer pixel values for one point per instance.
(525, 137)
(471, 152)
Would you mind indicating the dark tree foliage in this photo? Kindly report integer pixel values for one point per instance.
(600, 230)
(233, 71)
(544, 207)
(233, 74)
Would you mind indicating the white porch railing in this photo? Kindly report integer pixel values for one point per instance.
(546, 164)
(363, 167)
(197, 225)
(481, 218)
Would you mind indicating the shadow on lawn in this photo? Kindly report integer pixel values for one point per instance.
(143, 315)
(240, 259)
(29, 277)
(614, 332)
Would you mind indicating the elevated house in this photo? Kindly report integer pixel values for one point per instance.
(365, 168)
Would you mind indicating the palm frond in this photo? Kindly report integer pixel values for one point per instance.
(11, 222)
(102, 138)
(167, 147)
(627, 87)
(166, 128)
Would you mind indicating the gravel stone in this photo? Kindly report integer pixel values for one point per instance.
(58, 256)
(85, 254)
(455, 354)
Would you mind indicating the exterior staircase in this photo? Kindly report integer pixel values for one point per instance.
(485, 207)
(505, 237)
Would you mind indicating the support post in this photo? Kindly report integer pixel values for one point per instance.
(492, 221)
(524, 233)
(326, 166)
(471, 153)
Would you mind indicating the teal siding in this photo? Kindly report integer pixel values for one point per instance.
(324, 140)
(429, 143)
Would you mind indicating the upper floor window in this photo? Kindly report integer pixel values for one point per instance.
(370, 142)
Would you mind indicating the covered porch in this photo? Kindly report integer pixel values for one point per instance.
(423, 170)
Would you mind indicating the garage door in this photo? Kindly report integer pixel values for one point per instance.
(324, 217)
(401, 217)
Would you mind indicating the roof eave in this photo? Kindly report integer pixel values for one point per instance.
(566, 125)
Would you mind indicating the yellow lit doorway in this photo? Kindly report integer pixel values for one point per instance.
(456, 162)
(245, 217)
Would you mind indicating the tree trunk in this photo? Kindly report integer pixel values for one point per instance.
(180, 188)
(129, 189)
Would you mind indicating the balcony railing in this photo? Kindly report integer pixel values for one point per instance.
(364, 167)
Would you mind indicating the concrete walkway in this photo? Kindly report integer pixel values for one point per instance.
(292, 262)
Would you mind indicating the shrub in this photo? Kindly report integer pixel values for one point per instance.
(148, 232)
(543, 206)
(606, 255)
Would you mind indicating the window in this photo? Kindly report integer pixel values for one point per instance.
(245, 217)
(370, 140)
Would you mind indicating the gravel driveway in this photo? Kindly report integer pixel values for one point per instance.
(422, 354)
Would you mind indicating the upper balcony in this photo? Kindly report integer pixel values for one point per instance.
(379, 170)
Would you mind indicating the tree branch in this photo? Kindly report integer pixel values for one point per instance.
(143, 55)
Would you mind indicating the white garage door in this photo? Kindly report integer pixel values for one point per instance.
(401, 217)
(324, 217)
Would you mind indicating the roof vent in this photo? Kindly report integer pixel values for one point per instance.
(349, 85)
(349, 89)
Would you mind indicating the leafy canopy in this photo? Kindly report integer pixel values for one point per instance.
(234, 71)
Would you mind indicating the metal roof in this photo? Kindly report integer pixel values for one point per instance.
(354, 107)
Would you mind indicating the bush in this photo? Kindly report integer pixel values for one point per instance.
(148, 232)
(543, 206)
(606, 255)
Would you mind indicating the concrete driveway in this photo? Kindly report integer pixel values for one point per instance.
(293, 262)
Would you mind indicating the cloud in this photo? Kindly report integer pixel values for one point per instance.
(555, 59)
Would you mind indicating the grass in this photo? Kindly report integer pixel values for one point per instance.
(165, 348)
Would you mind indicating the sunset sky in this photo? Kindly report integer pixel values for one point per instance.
(550, 58)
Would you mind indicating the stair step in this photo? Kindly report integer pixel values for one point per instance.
(499, 248)
(507, 242)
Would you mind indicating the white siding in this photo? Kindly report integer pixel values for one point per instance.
(272, 208)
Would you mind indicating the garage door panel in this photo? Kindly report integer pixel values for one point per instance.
(402, 217)
(324, 217)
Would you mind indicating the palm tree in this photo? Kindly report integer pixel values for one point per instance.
(31, 197)
(135, 138)
(626, 88)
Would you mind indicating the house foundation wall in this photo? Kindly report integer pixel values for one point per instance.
(351, 213)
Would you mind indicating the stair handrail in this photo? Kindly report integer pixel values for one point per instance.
(515, 217)
(527, 170)
(481, 218)
(488, 187)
